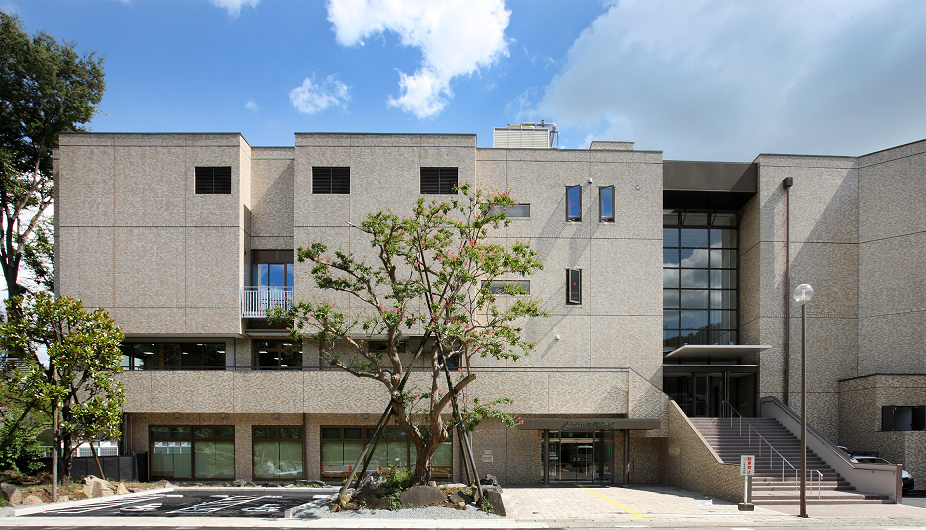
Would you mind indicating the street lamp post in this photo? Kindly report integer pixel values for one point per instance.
(802, 294)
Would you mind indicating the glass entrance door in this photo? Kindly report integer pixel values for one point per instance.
(579, 456)
(702, 393)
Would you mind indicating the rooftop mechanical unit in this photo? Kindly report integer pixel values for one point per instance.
(526, 136)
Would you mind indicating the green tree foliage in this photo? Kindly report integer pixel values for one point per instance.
(22, 452)
(428, 271)
(46, 88)
(78, 382)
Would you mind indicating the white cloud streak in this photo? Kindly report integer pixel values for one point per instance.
(456, 38)
(706, 79)
(311, 98)
(234, 6)
(251, 105)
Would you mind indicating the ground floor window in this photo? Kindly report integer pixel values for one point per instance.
(278, 453)
(341, 447)
(184, 451)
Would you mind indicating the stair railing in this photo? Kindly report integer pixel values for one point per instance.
(749, 431)
(819, 482)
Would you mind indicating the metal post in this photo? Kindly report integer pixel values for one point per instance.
(803, 412)
(54, 453)
(546, 457)
(626, 464)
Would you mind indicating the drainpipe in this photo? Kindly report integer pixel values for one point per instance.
(786, 184)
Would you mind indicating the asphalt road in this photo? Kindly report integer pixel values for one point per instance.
(204, 503)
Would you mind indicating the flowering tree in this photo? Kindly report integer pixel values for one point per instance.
(430, 273)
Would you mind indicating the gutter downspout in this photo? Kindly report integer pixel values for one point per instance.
(786, 184)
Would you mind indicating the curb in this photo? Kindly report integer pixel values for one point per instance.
(39, 508)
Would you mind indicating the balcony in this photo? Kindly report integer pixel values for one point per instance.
(255, 301)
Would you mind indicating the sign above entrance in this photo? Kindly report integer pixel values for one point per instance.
(589, 424)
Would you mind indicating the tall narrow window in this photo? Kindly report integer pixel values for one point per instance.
(439, 180)
(331, 180)
(606, 204)
(213, 180)
(574, 286)
(574, 203)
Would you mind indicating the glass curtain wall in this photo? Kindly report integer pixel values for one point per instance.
(184, 451)
(700, 283)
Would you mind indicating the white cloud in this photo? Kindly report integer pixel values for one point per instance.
(311, 98)
(727, 80)
(234, 6)
(251, 105)
(456, 38)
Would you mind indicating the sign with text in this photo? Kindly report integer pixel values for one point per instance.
(747, 464)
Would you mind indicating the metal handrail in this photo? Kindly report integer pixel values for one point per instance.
(762, 439)
(819, 483)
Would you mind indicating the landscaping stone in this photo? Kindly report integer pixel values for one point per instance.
(421, 496)
(63, 498)
(32, 500)
(378, 503)
(497, 489)
(11, 493)
(374, 479)
(96, 489)
(121, 489)
(457, 498)
(498, 504)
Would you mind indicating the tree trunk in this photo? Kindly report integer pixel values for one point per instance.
(422, 466)
(66, 445)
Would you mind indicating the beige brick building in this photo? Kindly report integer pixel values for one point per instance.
(685, 268)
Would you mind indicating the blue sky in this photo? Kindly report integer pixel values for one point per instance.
(698, 80)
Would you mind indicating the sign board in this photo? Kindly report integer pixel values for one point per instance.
(747, 464)
(488, 458)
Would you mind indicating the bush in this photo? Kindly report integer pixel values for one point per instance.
(23, 452)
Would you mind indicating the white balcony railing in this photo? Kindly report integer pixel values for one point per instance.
(255, 301)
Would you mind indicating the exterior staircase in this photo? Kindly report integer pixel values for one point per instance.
(769, 485)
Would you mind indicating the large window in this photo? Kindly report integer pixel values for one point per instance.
(271, 355)
(278, 453)
(517, 287)
(330, 180)
(213, 180)
(185, 451)
(173, 356)
(574, 203)
(514, 211)
(700, 251)
(439, 180)
(341, 447)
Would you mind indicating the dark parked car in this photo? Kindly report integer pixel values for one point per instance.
(906, 479)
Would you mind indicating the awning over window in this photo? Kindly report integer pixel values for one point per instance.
(589, 424)
(714, 352)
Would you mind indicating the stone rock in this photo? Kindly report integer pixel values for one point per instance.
(374, 480)
(96, 489)
(489, 480)
(63, 498)
(496, 489)
(89, 479)
(378, 503)
(121, 489)
(365, 493)
(498, 504)
(187, 485)
(32, 500)
(421, 496)
(432, 483)
(86, 490)
(456, 498)
(11, 493)
(272, 485)
(344, 500)
(167, 484)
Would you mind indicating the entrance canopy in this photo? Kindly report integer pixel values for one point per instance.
(714, 352)
(589, 424)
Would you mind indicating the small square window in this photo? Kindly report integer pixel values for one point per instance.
(439, 180)
(574, 286)
(331, 180)
(606, 204)
(213, 180)
(574, 203)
